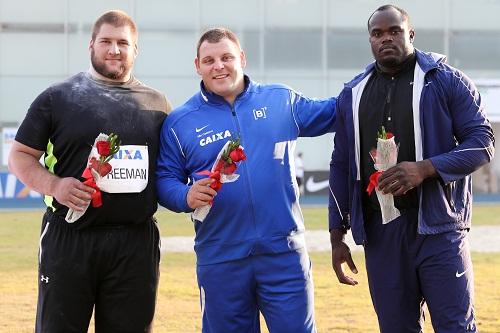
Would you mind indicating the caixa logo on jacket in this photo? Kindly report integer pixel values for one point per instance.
(215, 137)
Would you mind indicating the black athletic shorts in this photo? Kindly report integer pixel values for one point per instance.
(113, 268)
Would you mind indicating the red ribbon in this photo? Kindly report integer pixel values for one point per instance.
(206, 173)
(222, 167)
(90, 181)
(373, 182)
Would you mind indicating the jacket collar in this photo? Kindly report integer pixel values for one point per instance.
(211, 98)
(429, 60)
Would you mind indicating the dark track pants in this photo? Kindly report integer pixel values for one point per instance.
(115, 269)
(406, 269)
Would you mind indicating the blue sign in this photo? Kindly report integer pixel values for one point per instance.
(14, 194)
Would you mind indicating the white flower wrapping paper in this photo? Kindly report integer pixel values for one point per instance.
(386, 157)
(72, 215)
(201, 213)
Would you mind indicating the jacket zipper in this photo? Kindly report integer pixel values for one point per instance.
(247, 178)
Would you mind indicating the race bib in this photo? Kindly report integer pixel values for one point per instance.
(129, 173)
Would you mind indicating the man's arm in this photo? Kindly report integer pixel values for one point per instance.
(342, 254)
(171, 178)
(472, 131)
(24, 163)
(338, 206)
(314, 117)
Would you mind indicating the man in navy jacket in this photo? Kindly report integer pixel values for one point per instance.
(250, 247)
(435, 114)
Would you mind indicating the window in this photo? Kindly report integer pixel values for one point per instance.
(289, 49)
(348, 49)
(475, 50)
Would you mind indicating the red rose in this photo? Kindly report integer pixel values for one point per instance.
(103, 148)
(94, 163)
(237, 155)
(230, 169)
(234, 156)
(389, 135)
(102, 168)
(243, 157)
(219, 165)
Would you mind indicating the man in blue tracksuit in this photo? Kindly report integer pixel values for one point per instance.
(250, 247)
(435, 114)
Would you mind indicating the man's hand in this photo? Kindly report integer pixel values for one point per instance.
(342, 254)
(201, 194)
(404, 176)
(72, 193)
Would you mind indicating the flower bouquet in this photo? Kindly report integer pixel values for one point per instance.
(105, 146)
(223, 171)
(384, 157)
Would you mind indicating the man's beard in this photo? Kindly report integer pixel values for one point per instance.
(101, 68)
(396, 61)
(390, 62)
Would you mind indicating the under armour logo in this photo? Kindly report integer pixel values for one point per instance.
(44, 279)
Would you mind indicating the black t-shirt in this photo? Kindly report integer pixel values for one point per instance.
(71, 114)
(387, 101)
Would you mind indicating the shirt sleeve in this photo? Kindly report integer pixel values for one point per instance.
(313, 117)
(471, 130)
(34, 131)
(338, 203)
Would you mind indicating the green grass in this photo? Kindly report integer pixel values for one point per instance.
(339, 308)
(174, 224)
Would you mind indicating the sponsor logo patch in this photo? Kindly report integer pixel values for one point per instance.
(128, 154)
(312, 186)
(458, 274)
(198, 130)
(260, 113)
(215, 137)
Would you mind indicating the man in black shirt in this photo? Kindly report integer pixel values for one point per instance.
(107, 260)
(434, 112)
(386, 101)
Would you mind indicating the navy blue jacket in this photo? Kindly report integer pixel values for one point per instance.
(451, 130)
(259, 213)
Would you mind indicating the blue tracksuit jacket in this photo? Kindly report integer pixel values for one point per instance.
(259, 213)
(451, 129)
